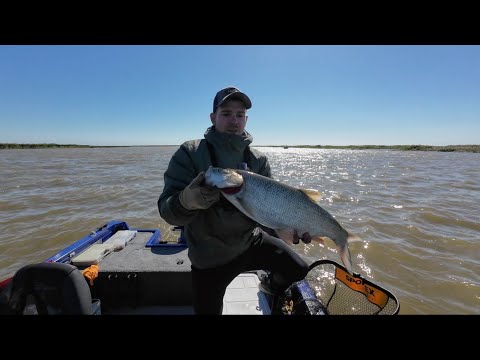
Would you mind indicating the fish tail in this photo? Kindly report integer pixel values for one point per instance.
(344, 252)
(345, 256)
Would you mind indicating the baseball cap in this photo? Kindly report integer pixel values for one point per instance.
(230, 93)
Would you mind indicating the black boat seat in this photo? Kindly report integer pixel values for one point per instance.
(50, 289)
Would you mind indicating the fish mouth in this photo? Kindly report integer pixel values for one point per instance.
(232, 190)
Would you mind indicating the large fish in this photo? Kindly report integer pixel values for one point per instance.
(291, 212)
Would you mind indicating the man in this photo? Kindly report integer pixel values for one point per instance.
(222, 241)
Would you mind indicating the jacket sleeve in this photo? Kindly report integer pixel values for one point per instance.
(265, 168)
(260, 163)
(180, 172)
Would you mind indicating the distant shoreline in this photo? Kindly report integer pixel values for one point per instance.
(50, 146)
(446, 148)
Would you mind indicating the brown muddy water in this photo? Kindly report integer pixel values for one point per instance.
(416, 212)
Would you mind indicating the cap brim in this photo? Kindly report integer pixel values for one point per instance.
(240, 96)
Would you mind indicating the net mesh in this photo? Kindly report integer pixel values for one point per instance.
(339, 293)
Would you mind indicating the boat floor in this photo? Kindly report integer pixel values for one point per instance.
(242, 297)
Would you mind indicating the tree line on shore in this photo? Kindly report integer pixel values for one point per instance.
(446, 148)
(44, 146)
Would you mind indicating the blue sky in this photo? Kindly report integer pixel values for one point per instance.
(312, 94)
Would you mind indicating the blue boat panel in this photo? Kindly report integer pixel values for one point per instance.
(97, 236)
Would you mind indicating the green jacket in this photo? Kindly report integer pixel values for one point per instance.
(217, 235)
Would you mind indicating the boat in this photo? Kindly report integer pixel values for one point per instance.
(119, 270)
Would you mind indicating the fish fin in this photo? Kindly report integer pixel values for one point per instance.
(313, 194)
(353, 238)
(290, 235)
(319, 239)
(237, 203)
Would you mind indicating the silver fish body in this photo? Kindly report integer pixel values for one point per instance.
(281, 207)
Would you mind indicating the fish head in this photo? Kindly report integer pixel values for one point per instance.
(223, 178)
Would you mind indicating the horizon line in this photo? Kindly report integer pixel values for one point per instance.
(268, 145)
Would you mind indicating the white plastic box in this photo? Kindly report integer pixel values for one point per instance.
(121, 238)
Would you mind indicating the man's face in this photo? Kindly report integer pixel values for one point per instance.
(230, 118)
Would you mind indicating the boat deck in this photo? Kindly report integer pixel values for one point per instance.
(157, 280)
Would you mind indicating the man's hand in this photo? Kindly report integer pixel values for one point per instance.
(197, 196)
(306, 238)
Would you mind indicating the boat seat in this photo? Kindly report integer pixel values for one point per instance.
(50, 289)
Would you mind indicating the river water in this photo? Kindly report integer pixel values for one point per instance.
(416, 212)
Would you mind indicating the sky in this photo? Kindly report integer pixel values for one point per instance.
(301, 94)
